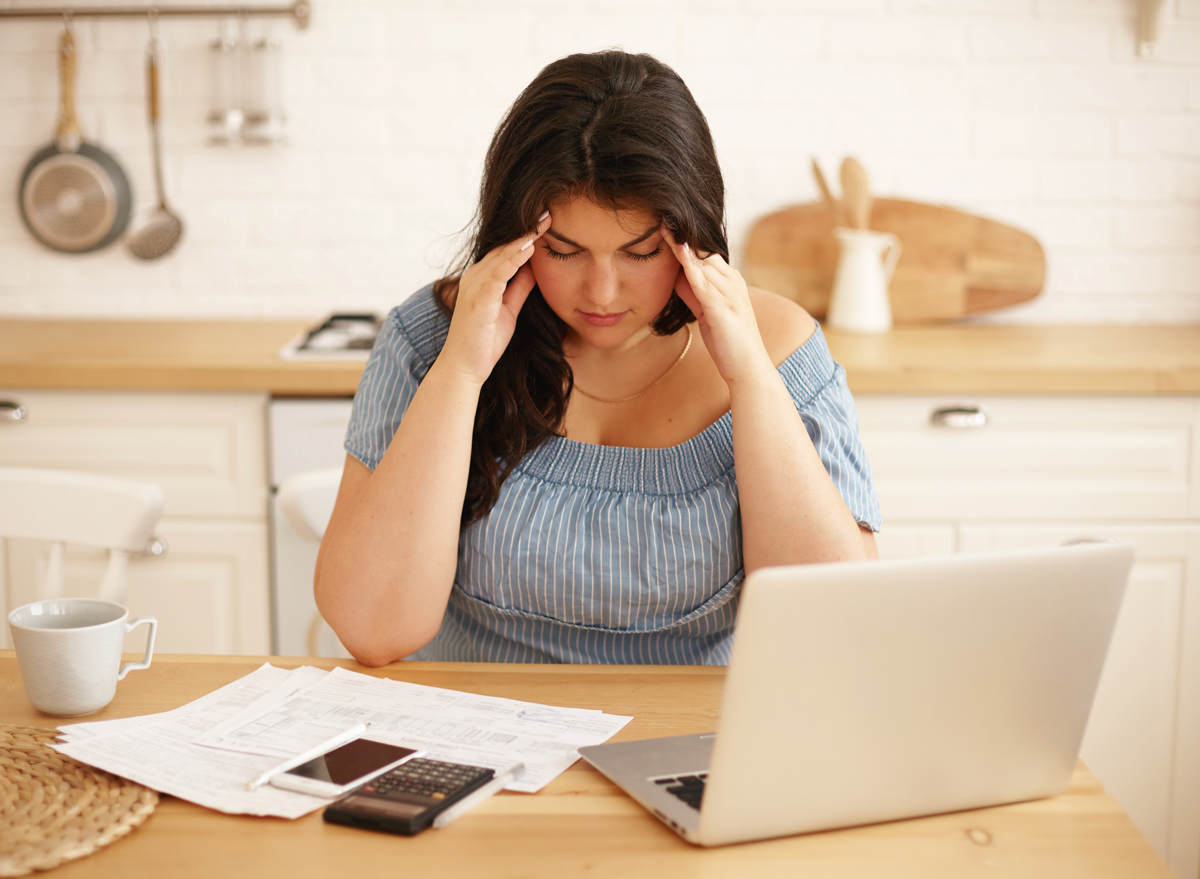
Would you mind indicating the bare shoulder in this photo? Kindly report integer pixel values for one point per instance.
(784, 325)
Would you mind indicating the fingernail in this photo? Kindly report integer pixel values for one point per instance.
(543, 216)
(687, 249)
(528, 244)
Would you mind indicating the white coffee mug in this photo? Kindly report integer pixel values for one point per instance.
(69, 652)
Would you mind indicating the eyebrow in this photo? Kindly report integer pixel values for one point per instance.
(638, 240)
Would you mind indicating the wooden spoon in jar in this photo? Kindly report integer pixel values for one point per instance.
(856, 193)
(827, 196)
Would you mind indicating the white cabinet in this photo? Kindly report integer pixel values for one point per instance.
(1048, 469)
(208, 452)
(901, 540)
(1036, 458)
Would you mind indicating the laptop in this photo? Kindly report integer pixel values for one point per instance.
(861, 692)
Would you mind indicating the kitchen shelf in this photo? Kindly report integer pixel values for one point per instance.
(300, 11)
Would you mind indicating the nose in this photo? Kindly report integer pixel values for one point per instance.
(601, 286)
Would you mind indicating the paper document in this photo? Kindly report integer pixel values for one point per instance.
(207, 750)
(161, 753)
(460, 727)
(260, 683)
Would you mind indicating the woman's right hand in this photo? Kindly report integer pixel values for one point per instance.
(489, 298)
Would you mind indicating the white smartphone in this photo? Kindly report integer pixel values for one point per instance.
(344, 768)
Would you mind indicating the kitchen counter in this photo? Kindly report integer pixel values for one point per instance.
(241, 355)
(166, 355)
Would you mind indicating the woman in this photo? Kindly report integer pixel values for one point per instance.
(574, 448)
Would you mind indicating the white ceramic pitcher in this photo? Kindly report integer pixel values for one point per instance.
(859, 302)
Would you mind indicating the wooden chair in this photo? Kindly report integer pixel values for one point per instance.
(67, 507)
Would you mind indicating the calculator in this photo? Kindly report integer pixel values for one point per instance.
(408, 798)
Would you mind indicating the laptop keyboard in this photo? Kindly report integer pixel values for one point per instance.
(689, 788)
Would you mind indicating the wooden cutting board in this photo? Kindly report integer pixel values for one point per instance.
(951, 263)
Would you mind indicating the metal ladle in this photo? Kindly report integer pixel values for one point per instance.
(161, 231)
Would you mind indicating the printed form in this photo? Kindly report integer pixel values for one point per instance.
(449, 725)
(207, 750)
(159, 750)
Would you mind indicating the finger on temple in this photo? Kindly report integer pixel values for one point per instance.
(690, 268)
(716, 269)
(681, 250)
(702, 273)
(696, 272)
(720, 264)
(525, 241)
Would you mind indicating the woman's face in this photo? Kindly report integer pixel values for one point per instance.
(606, 273)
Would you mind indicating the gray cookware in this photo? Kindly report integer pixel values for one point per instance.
(157, 234)
(74, 196)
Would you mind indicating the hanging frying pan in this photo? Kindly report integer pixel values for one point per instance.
(74, 196)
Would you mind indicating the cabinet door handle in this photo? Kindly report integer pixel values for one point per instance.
(10, 411)
(157, 546)
(960, 416)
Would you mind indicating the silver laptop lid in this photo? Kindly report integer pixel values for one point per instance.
(868, 691)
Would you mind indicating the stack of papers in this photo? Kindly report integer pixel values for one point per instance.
(208, 750)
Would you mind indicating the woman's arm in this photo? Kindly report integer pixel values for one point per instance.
(388, 558)
(791, 511)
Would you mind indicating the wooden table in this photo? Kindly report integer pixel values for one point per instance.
(581, 825)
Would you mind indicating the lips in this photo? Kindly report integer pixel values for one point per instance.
(603, 320)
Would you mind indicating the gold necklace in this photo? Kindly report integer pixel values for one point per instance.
(678, 360)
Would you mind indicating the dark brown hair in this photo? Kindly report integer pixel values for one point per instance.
(623, 131)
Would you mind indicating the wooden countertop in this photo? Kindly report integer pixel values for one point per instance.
(581, 824)
(241, 355)
(1022, 359)
(166, 355)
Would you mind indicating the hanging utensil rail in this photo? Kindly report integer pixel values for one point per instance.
(301, 11)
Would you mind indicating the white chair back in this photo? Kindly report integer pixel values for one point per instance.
(307, 500)
(66, 507)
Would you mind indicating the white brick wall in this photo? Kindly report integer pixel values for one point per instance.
(1034, 112)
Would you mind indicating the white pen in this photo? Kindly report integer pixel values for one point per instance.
(469, 802)
(340, 739)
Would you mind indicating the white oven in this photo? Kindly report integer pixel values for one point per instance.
(305, 435)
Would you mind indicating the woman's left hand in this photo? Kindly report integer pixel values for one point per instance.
(717, 295)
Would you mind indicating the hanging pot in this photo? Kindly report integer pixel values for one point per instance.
(74, 196)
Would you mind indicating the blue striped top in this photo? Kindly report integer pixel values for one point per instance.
(603, 554)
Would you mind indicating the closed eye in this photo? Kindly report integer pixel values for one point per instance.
(637, 257)
(642, 257)
(554, 254)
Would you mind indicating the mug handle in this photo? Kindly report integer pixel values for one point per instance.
(145, 661)
(893, 256)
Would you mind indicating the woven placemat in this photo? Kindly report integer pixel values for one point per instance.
(55, 809)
